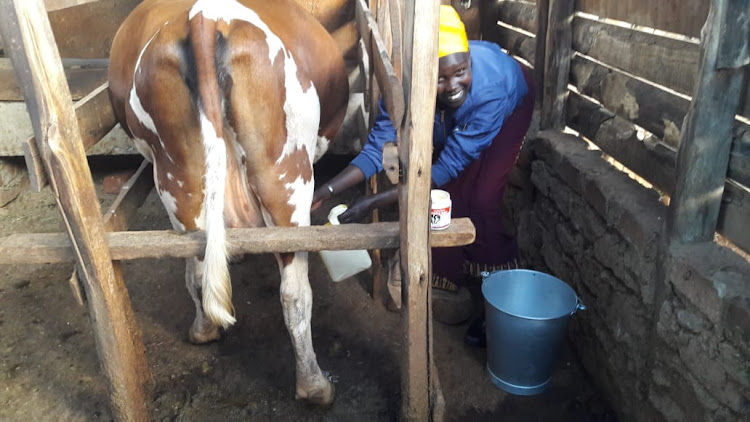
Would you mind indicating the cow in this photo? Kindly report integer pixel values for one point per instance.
(232, 101)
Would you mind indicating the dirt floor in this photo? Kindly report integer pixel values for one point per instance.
(49, 367)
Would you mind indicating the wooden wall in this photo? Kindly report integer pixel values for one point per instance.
(625, 77)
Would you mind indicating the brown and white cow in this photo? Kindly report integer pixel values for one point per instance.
(232, 101)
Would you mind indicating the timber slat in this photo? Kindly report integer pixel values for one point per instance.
(521, 14)
(37, 248)
(558, 53)
(388, 81)
(683, 17)
(517, 43)
(662, 60)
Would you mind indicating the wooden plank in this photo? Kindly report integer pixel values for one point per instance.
(418, 383)
(516, 43)
(734, 50)
(37, 248)
(659, 111)
(678, 16)
(540, 54)
(26, 30)
(556, 64)
(703, 156)
(662, 60)
(64, 4)
(521, 14)
(389, 83)
(618, 138)
(655, 162)
(80, 80)
(735, 214)
(95, 119)
(122, 212)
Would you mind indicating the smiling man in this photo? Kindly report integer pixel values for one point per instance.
(484, 104)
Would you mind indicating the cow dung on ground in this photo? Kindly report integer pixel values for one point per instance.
(49, 367)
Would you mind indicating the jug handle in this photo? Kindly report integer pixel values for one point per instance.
(579, 306)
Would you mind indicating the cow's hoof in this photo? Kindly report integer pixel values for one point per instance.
(202, 332)
(321, 396)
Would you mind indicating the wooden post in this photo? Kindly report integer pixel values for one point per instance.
(703, 155)
(30, 43)
(542, 15)
(557, 55)
(415, 150)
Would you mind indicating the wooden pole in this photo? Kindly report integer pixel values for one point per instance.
(557, 53)
(542, 15)
(415, 150)
(30, 43)
(703, 155)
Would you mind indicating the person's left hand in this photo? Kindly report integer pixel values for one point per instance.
(358, 211)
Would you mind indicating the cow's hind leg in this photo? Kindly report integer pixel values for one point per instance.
(296, 302)
(202, 330)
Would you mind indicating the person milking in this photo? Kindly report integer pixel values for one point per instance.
(484, 105)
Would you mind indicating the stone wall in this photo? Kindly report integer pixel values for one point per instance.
(666, 333)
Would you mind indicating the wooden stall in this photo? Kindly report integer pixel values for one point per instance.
(64, 129)
(626, 80)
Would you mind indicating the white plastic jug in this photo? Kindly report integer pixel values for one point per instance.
(343, 264)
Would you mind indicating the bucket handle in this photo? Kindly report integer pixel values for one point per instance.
(579, 306)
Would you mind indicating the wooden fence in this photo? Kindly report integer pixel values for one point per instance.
(623, 79)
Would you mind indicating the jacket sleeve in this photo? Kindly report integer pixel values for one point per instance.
(370, 159)
(469, 139)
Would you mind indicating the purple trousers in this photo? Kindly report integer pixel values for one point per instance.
(477, 193)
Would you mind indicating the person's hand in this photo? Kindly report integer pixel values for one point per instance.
(321, 195)
(358, 211)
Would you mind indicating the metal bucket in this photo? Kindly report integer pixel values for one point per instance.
(527, 316)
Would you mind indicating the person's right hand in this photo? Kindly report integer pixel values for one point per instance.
(321, 195)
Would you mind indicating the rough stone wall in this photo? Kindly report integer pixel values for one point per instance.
(666, 333)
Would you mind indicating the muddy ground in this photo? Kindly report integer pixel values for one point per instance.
(49, 368)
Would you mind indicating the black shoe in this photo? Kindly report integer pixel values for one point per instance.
(476, 333)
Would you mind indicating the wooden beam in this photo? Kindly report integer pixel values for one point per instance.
(540, 52)
(37, 248)
(558, 52)
(95, 119)
(122, 212)
(521, 14)
(703, 156)
(517, 43)
(389, 83)
(26, 30)
(418, 383)
(64, 4)
(663, 60)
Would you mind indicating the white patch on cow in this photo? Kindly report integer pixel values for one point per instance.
(170, 204)
(180, 183)
(228, 10)
(300, 199)
(170, 176)
(135, 102)
(321, 147)
(282, 176)
(302, 109)
(144, 149)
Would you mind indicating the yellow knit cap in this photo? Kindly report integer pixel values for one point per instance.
(452, 35)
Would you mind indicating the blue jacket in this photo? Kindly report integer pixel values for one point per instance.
(459, 136)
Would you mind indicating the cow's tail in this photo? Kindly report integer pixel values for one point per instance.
(216, 285)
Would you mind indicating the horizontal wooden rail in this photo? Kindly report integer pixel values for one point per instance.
(520, 14)
(654, 162)
(388, 82)
(37, 248)
(665, 61)
(515, 42)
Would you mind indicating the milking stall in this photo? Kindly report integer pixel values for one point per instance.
(630, 193)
